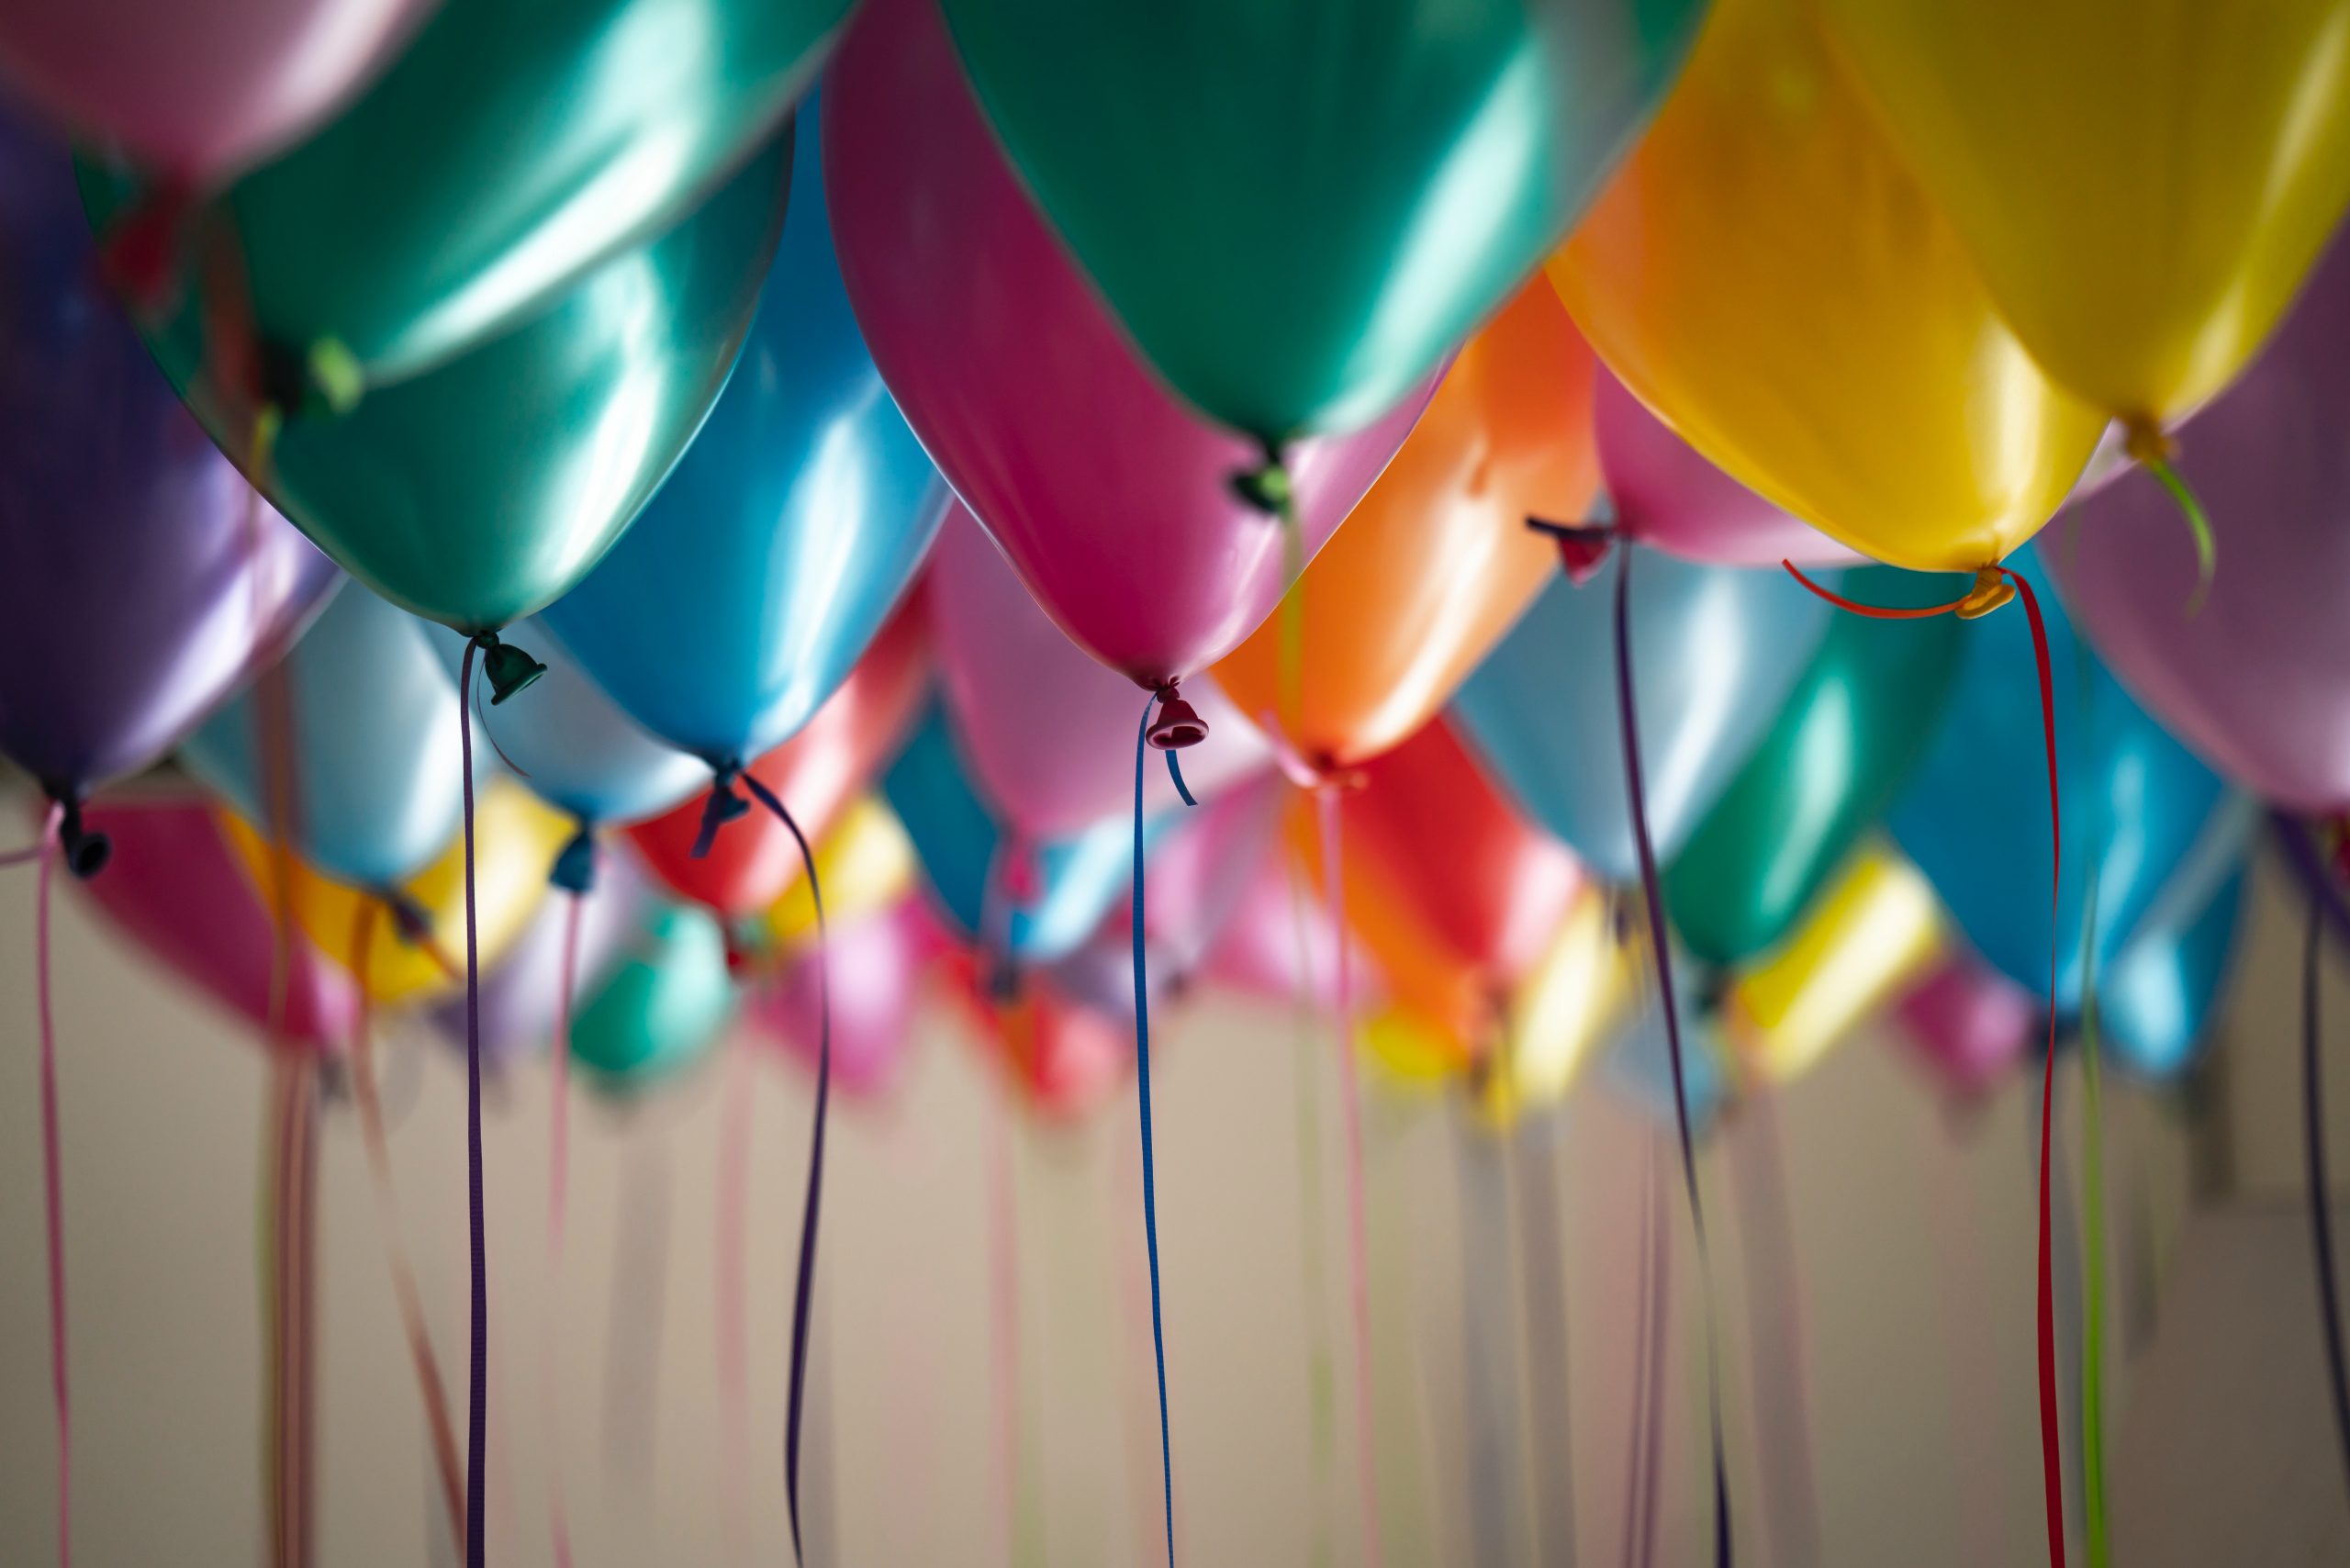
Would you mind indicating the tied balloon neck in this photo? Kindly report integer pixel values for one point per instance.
(409, 921)
(324, 380)
(1584, 547)
(575, 865)
(2334, 839)
(142, 250)
(1001, 979)
(507, 667)
(84, 849)
(1267, 487)
(722, 804)
(1991, 591)
(1179, 725)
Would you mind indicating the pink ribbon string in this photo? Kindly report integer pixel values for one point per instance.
(51, 1187)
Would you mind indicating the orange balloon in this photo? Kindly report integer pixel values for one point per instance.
(1436, 562)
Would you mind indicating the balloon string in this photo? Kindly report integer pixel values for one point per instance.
(2154, 457)
(803, 1289)
(478, 1410)
(1149, 1170)
(422, 1356)
(1659, 1332)
(734, 1333)
(558, 1207)
(1358, 1229)
(24, 856)
(1175, 771)
(1320, 1393)
(292, 1176)
(2321, 1217)
(52, 1196)
(1652, 894)
(1634, 1448)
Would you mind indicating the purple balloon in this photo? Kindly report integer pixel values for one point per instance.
(140, 580)
(519, 997)
(2258, 682)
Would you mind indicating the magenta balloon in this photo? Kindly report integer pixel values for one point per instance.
(1971, 1025)
(199, 88)
(2258, 682)
(1048, 733)
(1667, 495)
(177, 889)
(876, 968)
(1110, 497)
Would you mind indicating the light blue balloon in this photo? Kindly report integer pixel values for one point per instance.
(1640, 1059)
(378, 786)
(1975, 816)
(743, 593)
(1715, 652)
(956, 838)
(572, 744)
(2155, 1000)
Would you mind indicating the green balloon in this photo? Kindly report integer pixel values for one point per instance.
(512, 146)
(1299, 206)
(1854, 726)
(480, 492)
(665, 1005)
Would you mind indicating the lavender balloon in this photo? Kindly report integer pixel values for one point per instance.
(141, 581)
(521, 997)
(2258, 681)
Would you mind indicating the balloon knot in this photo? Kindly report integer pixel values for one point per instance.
(575, 867)
(722, 805)
(409, 919)
(2333, 835)
(2147, 442)
(140, 254)
(1582, 546)
(507, 667)
(1022, 879)
(1991, 591)
(1267, 487)
(87, 850)
(1178, 725)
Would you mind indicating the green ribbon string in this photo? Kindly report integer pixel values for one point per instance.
(2198, 523)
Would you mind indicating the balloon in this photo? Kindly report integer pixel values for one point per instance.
(515, 145)
(2258, 680)
(1975, 816)
(140, 582)
(664, 1007)
(1044, 900)
(1454, 893)
(1561, 1016)
(877, 969)
(1715, 652)
(572, 744)
(1278, 943)
(177, 891)
(1050, 731)
(816, 773)
(2156, 1004)
(1639, 1056)
(1409, 1052)
(201, 91)
(1969, 1022)
(475, 495)
(1767, 276)
(755, 578)
(516, 838)
(1062, 1057)
(376, 779)
(521, 994)
(1876, 931)
(866, 863)
(1436, 561)
(1854, 726)
(1108, 495)
(1663, 493)
(1297, 212)
(2142, 186)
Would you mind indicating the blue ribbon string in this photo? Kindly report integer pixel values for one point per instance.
(1149, 1178)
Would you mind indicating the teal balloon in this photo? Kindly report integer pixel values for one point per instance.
(664, 1006)
(2155, 1005)
(1715, 652)
(378, 783)
(1973, 818)
(958, 839)
(512, 146)
(477, 494)
(1299, 206)
(754, 580)
(572, 744)
(1839, 750)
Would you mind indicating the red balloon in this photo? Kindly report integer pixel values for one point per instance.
(1063, 1059)
(753, 861)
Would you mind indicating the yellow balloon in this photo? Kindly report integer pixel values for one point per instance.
(1878, 929)
(516, 841)
(866, 863)
(1561, 1014)
(1409, 1050)
(2142, 182)
(1766, 275)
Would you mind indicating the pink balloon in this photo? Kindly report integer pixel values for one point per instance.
(1666, 495)
(877, 966)
(199, 89)
(1971, 1023)
(1112, 500)
(1050, 734)
(175, 888)
(2258, 682)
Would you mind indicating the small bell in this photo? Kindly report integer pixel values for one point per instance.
(574, 867)
(409, 919)
(87, 851)
(1178, 726)
(721, 806)
(1991, 591)
(1582, 546)
(508, 669)
(1267, 488)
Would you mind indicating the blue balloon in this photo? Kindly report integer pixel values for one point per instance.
(2155, 1000)
(377, 784)
(750, 584)
(956, 838)
(571, 743)
(1715, 652)
(1640, 1059)
(1975, 816)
